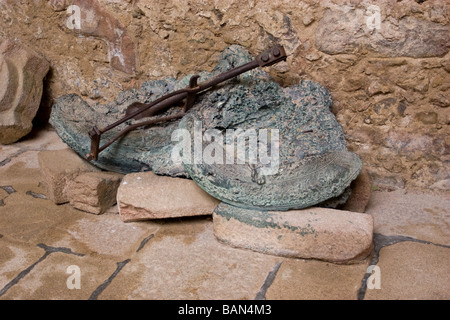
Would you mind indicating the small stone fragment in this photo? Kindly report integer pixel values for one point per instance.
(314, 233)
(144, 195)
(94, 192)
(59, 168)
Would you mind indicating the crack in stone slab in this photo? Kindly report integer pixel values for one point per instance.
(381, 241)
(36, 195)
(104, 285)
(48, 250)
(15, 155)
(8, 189)
(261, 295)
(5, 161)
(144, 242)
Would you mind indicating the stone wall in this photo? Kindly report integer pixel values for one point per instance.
(386, 63)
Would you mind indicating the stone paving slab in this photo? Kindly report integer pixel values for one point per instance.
(41, 139)
(37, 140)
(6, 152)
(421, 215)
(413, 271)
(32, 220)
(14, 255)
(105, 235)
(300, 279)
(181, 258)
(48, 275)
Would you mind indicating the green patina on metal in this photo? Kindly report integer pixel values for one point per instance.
(144, 149)
(314, 166)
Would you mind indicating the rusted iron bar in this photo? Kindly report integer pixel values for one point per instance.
(139, 110)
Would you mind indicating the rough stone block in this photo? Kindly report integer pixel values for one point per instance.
(144, 195)
(21, 72)
(94, 192)
(59, 168)
(326, 234)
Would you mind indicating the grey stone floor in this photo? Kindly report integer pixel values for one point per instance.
(50, 251)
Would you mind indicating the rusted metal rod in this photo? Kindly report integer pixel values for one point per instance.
(139, 110)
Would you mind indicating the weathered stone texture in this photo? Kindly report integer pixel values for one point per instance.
(325, 234)
(21, 72)
(92, 21)
(387, 83)
(346, 31)
(399, 262)
(94, 192)
(144, 196)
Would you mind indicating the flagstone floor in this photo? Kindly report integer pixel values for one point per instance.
(50, 251)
